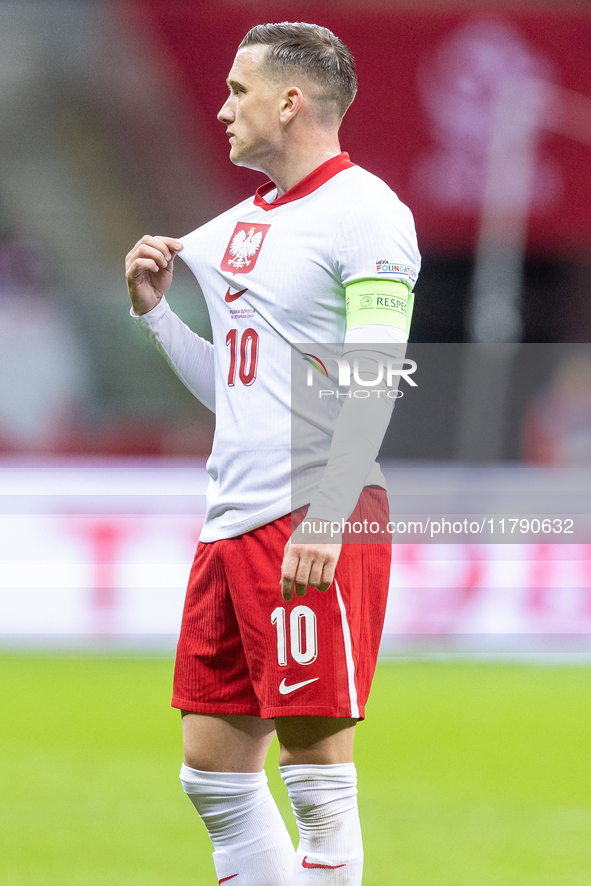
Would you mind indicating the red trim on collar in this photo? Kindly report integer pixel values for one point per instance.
(310, 183)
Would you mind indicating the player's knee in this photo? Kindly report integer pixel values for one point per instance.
(221, 797)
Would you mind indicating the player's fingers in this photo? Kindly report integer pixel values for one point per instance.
(328, 572)
(321, 584)
(302, 578)
(162, 250)
(169, 246)
(287, 588)
(140, 265)
(288, 572)
(172, 243)
(315, 576)
(144, 250)
(166, 245)
(149, 246)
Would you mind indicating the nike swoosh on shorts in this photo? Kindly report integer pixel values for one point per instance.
(285, 690)
(326, 867)
(225, 879)
(232, 296)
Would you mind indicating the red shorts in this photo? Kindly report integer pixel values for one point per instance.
(244, 650)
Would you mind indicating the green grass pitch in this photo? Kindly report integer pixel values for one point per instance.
(471, 774)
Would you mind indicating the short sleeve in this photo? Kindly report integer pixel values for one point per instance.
(377, 240)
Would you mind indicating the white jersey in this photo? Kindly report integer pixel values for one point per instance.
(273, 271)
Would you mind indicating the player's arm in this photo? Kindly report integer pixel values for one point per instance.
(376, 234)
(379, 313)
(373, 335)
(148, 271)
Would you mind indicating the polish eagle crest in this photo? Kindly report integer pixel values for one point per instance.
(243, 246)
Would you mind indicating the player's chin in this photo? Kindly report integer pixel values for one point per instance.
(244, 157)
(236, 156)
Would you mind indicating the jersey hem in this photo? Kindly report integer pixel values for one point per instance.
(268, 713)
(256, 522)
(338, 713)
(194, 707)
(276, 513)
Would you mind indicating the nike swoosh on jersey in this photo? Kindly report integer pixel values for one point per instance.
(232, 296)
(225, 879)
(326, 867)
(285, 690)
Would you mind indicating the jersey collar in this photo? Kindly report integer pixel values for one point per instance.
(310, 183)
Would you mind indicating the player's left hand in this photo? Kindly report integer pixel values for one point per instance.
(307, 564)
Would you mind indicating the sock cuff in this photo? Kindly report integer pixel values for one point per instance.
(224, 782)
(316, 772)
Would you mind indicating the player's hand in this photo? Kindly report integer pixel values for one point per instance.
(148, 271)
(307, 564)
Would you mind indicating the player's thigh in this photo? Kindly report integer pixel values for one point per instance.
(315, 740)
(295, 650)
(211, 671)
(315, 655)
(226, 742)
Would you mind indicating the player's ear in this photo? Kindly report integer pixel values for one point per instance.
(291, 102)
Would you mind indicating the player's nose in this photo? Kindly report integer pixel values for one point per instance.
(226, 114)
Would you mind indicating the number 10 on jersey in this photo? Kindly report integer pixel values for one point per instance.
(246, 354)
(303, 634)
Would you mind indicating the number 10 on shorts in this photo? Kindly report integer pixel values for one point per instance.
(303, 635)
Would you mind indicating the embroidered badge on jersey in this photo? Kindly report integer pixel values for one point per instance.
(243, 249)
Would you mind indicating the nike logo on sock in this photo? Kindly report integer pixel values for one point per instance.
(285, 690)
(326, 867)
(225, 879)
(232, 296)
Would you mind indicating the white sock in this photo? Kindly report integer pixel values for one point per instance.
(249, 836)
(324, 800)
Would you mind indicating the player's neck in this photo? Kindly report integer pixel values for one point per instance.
(299, 161)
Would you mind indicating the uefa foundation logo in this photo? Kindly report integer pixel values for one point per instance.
(373, 374)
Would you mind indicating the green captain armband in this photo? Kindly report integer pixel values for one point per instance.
(379, 303)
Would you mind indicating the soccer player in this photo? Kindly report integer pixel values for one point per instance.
(323, 253)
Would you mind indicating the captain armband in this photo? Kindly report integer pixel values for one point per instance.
(379, 303)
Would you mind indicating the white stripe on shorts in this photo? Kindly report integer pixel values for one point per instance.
(348, 655)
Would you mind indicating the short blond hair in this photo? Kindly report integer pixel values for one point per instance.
(316, 51)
